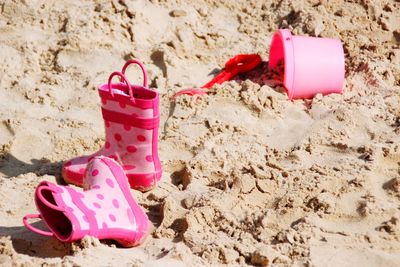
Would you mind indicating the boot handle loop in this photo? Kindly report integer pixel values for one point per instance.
(140, 64)
(44, 200)
(32, 228)
(124, 79)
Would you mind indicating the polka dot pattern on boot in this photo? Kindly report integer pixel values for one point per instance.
(115, 203)
(149, 158)
(128, 167)
(107, 203)
(107, 145)
(117, 137)
(131, 149)
(141, 138)
(110, 182)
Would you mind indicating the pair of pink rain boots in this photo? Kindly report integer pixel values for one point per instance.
(105, 209)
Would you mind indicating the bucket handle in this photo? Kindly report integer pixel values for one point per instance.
(140, 64)
(32, 228)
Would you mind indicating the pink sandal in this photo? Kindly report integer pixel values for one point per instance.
(132, 118)
(105, 209)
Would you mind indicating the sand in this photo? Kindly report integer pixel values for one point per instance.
(249, 176)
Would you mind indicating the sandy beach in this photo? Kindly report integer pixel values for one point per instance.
(250, 177)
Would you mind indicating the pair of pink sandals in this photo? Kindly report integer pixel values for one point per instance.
(106, 209)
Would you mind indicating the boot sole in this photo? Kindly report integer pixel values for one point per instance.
(144, 185)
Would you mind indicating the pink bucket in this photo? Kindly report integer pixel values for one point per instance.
(311, 65)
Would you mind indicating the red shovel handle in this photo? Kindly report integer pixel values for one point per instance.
(237, 64)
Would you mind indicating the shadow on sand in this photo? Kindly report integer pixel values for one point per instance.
(28, 243)
(10, 166)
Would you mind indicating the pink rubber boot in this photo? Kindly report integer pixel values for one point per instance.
(105, 209)
(131, 117)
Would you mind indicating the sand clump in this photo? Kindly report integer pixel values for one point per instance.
(250, 178)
